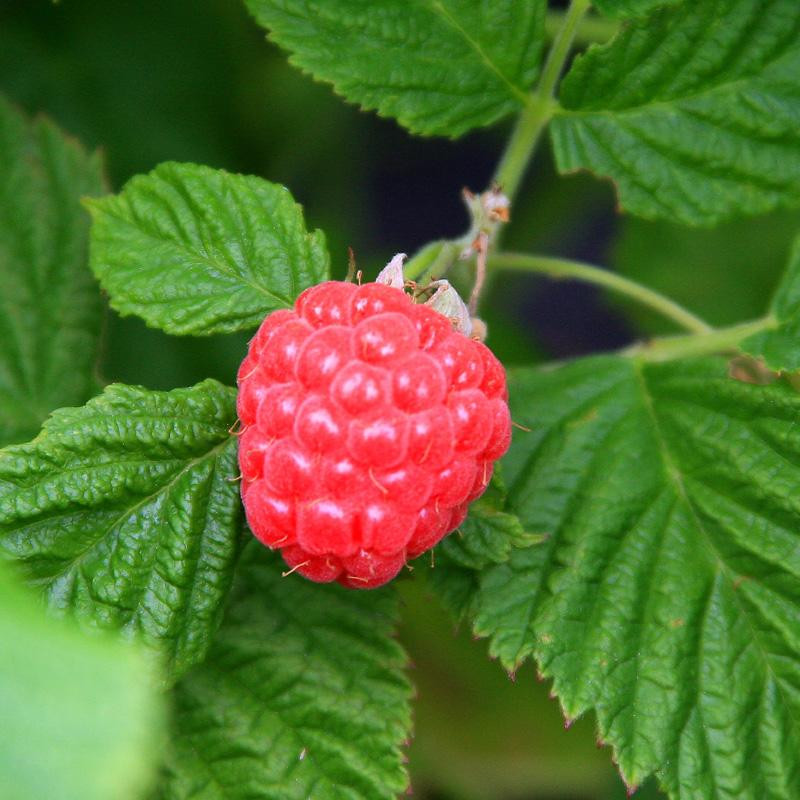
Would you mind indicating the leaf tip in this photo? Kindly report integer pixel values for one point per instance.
(91, 204)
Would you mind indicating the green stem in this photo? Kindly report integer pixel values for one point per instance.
(720, 340)
(432, 261)
(562, 44)
(563, 268)
(590, 30)
(534, 118)
(522, 144)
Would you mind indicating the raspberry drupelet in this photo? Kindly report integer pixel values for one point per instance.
(368, 425)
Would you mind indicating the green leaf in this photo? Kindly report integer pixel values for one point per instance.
(439, 67)
(630, 8)
(726, 275)
(193, 250)
(780, 345)
(487, 536)
(49, 304)
(693, 112)
(80, 721)
(124, 512)
(303, 695)
(667, 596)
(489, 533)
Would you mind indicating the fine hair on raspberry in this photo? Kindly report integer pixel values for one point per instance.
(368, 426)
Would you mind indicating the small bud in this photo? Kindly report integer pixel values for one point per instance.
(392, 273)
(448, 302)
(479, 329)
(496, 205)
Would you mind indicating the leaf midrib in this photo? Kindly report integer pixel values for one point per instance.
(297, 729)
(221, 266)
(183, 635)
(438, 8)
(675, 478)
(126, 512)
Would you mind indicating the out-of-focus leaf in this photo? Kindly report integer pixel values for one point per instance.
(779, 346)
(80, 717)
(726, 275)
(49, 303)
(630, 8)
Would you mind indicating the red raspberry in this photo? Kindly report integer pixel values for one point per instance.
(369, 425)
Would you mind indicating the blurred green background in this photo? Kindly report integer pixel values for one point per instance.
(195, 80)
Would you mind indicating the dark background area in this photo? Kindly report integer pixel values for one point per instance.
(195, 80)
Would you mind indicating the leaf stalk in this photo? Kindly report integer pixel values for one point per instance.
(720, 340)
(560, 268)
(537, 114)
(592, 29)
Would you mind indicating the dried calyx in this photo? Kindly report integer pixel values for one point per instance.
(441, 296)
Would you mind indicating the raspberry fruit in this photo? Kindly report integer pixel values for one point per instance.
(369, 424)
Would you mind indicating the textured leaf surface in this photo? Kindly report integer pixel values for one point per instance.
(693, 112)
(489, 533)
(487, 536)
(124, 513)
(438, 66)
(49, 302)
(193, 250)
(630, 8)
(78, 716)
(666, 596)
(303, 695)
(780, 346)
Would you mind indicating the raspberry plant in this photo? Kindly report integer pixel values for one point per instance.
(639, 542)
